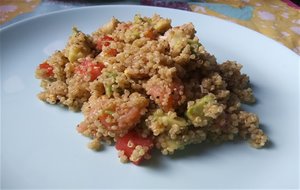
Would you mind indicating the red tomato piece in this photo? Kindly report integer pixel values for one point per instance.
(136, 139)
(150, 34)
(125, 120)
(112, 52)
(88, 68)
(129, 118)
(103, 120)
(82, 127)
(104, 41)
(47, 69)
(165, 99)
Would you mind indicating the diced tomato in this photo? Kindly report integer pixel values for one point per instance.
(107, 38)
(96, 71)
(47, 69)
(130, 118)
(136, 139)
(104, 41)
(150, 34)
(103, 120)
(88, 68)
(175, 96)
(81, 127)
(112, 52)
(165, 99)
(126, 120)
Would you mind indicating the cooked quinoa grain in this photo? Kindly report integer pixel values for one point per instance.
(143, 84)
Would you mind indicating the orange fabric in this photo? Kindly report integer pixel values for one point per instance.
(9, 9)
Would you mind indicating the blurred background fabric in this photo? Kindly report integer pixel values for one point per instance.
(277, 19)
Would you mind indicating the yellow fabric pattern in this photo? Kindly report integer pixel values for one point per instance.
(9, 9)
(272, 18)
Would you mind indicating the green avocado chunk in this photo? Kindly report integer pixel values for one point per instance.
(195, 111)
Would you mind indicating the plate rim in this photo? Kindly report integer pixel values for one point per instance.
(70, 10)
(3, 29)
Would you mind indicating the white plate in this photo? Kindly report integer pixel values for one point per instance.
(41, 148)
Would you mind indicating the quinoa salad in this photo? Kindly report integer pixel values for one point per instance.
(146, 84)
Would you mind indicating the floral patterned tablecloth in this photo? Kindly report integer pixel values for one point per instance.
(277, 19)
